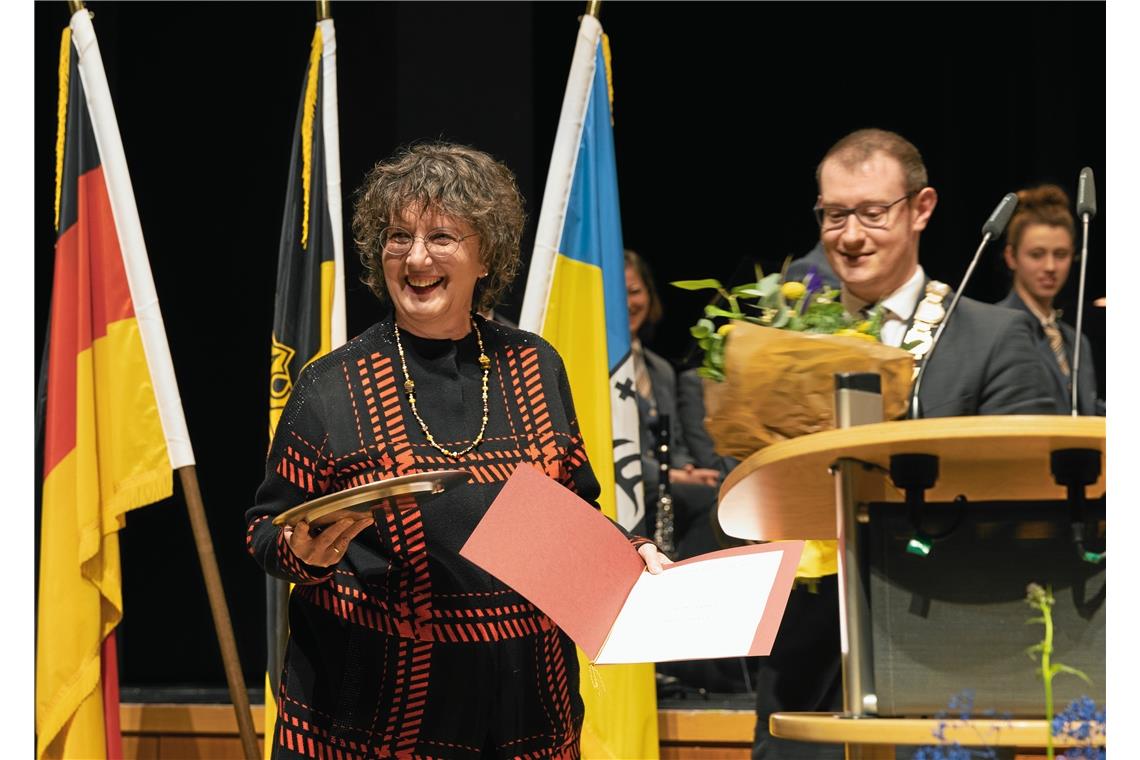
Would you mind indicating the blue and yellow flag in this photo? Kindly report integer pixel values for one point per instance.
(575, 297)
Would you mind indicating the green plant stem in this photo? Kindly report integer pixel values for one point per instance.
(1047, 676)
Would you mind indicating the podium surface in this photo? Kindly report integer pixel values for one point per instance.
(890, 732)
(784, 491)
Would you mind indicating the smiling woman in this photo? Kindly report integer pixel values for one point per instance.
(383, 634)
(440, 194)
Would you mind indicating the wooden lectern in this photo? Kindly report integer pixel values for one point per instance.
(819, 486)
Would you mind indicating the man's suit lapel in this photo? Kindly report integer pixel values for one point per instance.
(1013, 301)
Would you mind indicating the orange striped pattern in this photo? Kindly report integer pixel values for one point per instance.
(390, 592)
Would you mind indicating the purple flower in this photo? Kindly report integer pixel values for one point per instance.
(814, 282)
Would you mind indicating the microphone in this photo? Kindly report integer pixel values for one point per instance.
(998, 220)
(1086, 210)
(1086, 194)
(993, 228)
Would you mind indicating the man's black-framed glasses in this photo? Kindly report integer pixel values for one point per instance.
(874, 216)
(440, 243)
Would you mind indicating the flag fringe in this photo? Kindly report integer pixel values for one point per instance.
(61, 125)
(53, 714)
(307, 129)
(140, 491)
(609, 74)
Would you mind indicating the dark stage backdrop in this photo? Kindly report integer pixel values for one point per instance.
(721, 113)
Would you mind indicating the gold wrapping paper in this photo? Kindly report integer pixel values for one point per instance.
(780, 384)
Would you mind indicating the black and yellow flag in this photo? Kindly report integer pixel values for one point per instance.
(308, 313)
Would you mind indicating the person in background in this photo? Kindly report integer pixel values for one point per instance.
(816, 261)
(691, 408)
(1039, 253)
(693, 488)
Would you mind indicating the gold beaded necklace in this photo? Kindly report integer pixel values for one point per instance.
(410, 389)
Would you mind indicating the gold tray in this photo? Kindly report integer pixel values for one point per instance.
(360, 501)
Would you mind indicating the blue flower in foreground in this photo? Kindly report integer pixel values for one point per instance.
(1078, 722)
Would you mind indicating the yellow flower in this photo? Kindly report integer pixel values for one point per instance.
(847, 332)
(864, 326)
(725, 329)
(793, 291)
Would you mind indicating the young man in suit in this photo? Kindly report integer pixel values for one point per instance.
(1039, 252)
(874, 203)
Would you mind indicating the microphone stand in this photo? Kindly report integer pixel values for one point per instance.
(993, 228)
(1075, 409)
(914, 406)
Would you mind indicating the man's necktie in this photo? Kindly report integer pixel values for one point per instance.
(1057, 343)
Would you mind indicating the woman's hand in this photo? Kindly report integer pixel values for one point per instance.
(654, 559)
(695, 475)
(326, 548)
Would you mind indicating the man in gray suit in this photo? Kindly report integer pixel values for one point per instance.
(874, 203)
(1087, 402)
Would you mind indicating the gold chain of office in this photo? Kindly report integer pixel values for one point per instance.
(410, 389)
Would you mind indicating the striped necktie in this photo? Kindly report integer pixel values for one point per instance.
(1056, 342)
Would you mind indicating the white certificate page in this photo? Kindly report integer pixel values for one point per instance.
(701, 610)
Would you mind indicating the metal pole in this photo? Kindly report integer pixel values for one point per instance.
(594, 8)
(1075, 408)
(219, 610)
(854, 612)
(858, 401)
(323, 10)
(74, 5)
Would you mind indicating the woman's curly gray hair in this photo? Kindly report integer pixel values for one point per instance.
(452, 179)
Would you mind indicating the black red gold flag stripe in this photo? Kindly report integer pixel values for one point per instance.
(113, 428)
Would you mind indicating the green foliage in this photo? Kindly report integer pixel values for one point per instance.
(771, 301)
(1041, 599)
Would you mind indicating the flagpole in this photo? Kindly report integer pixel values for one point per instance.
(594, 8)
(323, 10)
(221, 614)
(144, 299)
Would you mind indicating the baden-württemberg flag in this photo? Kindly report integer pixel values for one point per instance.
(308, 314)
(114, 428)
(575, 297)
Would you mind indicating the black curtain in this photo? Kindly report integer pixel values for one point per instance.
(721, 113)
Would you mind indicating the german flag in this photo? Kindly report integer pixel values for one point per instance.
(113, 428)
(308, 314)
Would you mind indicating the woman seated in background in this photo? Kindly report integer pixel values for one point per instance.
(693, 488)
(1039, 253)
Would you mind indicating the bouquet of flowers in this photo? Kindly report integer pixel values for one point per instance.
(769, 369)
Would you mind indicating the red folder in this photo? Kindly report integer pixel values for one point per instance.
(570, 561)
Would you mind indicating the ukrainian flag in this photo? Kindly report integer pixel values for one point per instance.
(575, 296)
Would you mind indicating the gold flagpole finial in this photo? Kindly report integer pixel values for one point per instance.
(74, 5)
(323, 10)
(593, 8)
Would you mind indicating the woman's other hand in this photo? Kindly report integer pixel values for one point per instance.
(326, 548)
(695, 475)
(654, 559)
